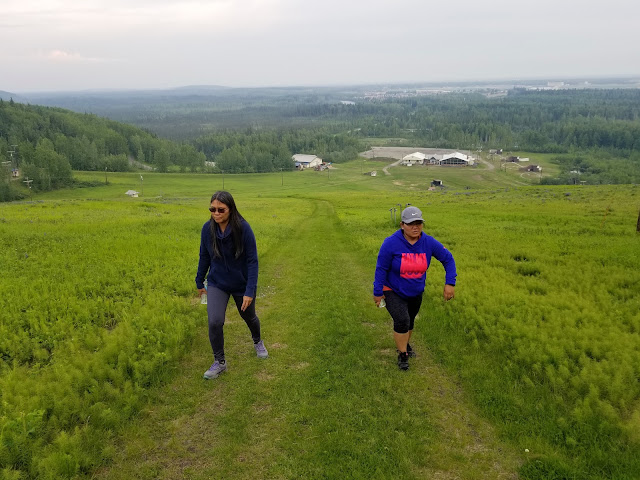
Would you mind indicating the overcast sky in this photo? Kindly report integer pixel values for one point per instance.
(50, 45)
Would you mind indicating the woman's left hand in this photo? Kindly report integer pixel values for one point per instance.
(449, 291)
(246, 301)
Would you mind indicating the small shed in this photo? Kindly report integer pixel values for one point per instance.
(131, 193)
(532, 168)
(437, 183)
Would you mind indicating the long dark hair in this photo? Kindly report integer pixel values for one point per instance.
(235, 222)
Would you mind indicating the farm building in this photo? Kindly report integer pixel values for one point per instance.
(15, 173)
(532, 168)
(416, 158)
(306, 161)
(456, 158)
(433, 159)
(131, 193)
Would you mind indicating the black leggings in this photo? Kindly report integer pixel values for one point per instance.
(402, 311)
(217, 301)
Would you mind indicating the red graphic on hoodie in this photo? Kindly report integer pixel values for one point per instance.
(413, 265)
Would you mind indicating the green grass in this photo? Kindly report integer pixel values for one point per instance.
(104, 343)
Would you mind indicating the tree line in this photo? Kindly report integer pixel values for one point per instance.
(45, 144)
(251, 151)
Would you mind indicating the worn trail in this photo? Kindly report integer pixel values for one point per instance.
(328, 403)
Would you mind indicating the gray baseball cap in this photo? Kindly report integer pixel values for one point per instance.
(411, 214)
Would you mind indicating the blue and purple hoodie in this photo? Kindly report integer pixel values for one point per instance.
(402, 267)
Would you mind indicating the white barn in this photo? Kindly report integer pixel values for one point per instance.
(456, 158)
(413, 158)
(306, 161)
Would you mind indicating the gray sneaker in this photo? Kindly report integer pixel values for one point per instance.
(214, 370)
(261, 351)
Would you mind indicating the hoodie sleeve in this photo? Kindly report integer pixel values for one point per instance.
(205, 257)
(251, 253)
(445, 257)
(383, 265)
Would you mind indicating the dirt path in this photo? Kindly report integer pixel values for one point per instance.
(328, 403)
(394, 164)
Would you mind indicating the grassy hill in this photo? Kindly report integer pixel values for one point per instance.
(531, 372)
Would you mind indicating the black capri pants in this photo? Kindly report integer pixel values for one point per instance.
(403, 311)
(217, 301)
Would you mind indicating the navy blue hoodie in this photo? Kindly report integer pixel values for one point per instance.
(402, 267)
(237, 276)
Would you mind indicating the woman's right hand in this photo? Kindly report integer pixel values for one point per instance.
(202, 291)
(378, 300)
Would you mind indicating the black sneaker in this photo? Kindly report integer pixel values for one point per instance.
(410, 351)
(403, 361)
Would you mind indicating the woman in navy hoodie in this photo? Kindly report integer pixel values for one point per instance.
(401, 272)
(228, 253)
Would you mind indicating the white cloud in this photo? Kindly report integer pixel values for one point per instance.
(120, 15)
(62, 56)
(284, 42)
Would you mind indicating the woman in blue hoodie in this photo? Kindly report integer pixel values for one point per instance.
(228, 253)
(401, 272)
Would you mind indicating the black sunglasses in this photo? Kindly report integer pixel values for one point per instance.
(219, 210)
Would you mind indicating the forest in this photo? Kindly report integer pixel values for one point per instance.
(532, 120)
(595, 133)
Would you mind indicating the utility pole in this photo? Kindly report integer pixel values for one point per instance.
(14, 149)
(141, 187)
(106, 182)
(222, 179)
(282, 175)
(8, 165)
(28, 182)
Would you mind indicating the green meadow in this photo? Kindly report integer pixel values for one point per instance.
(531, 372)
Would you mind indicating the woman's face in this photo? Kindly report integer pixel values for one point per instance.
(412, 230)
(219, 212)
